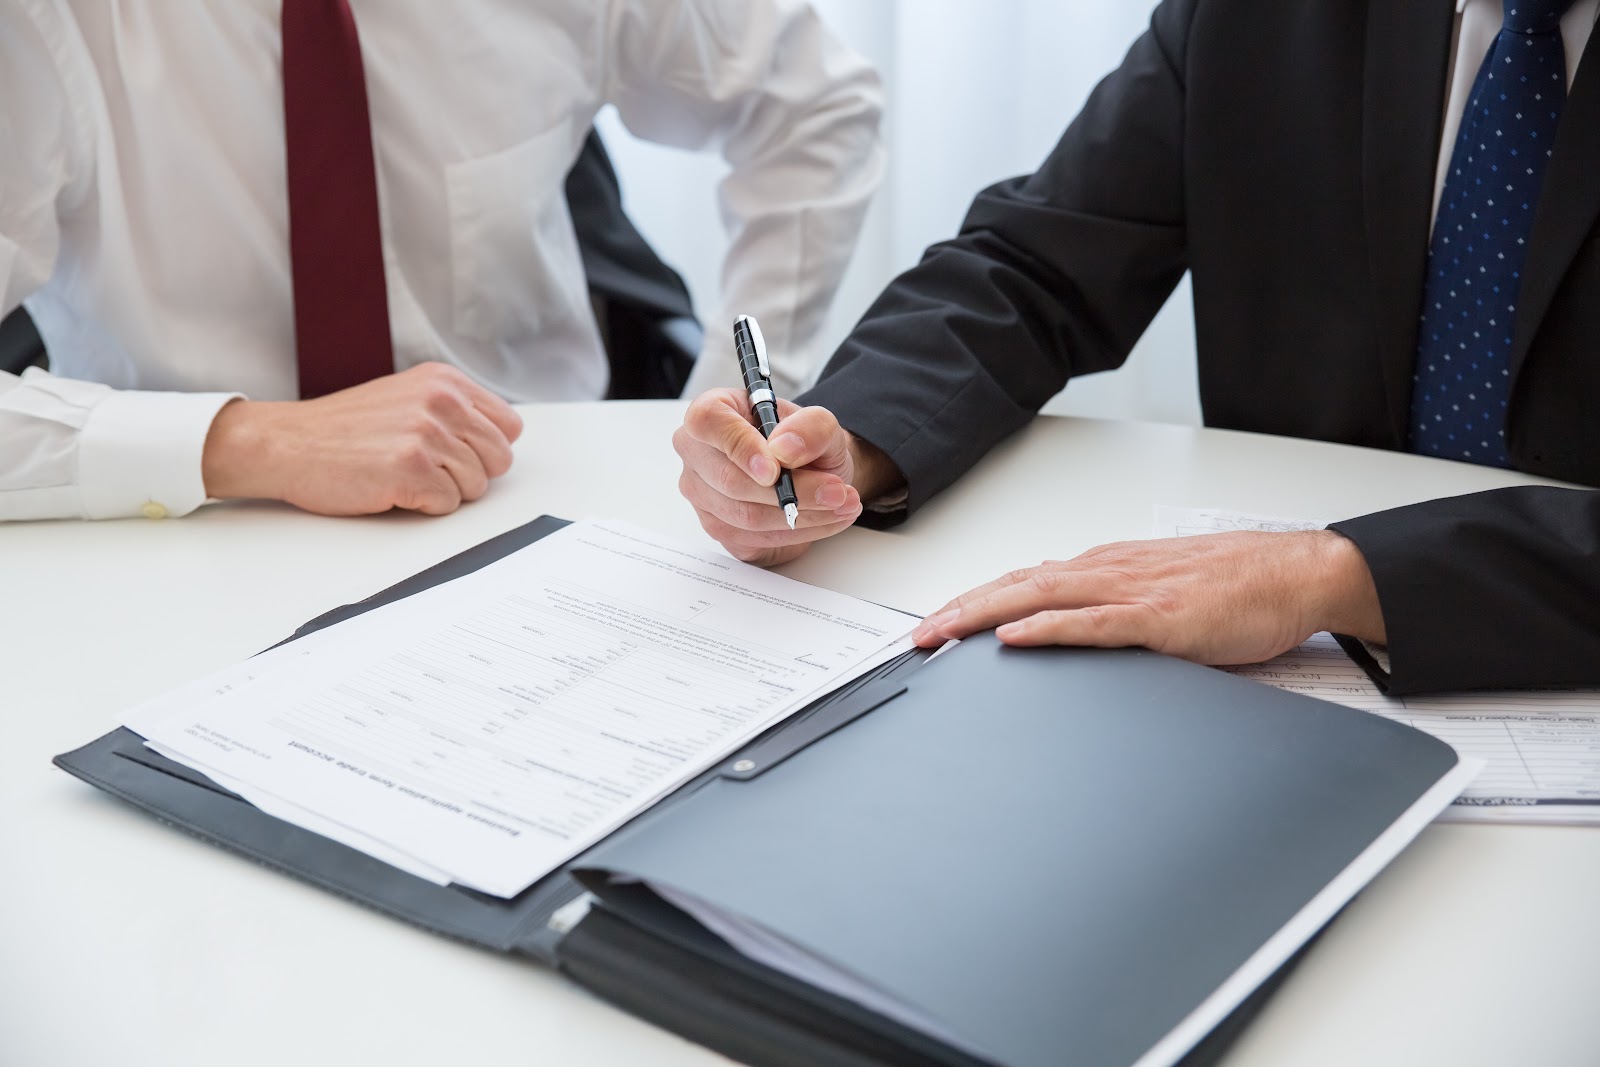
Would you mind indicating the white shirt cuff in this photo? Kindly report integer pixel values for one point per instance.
(1379, 654)
(139, 453)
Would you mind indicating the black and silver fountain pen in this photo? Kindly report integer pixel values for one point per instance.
(752, 351)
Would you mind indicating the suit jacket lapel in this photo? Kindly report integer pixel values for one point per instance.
(1403, 97)
(1567, 209)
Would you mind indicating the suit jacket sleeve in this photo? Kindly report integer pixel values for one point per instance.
(1491, 590)
(1052, 275)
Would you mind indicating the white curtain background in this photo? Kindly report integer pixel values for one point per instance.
(975, 92)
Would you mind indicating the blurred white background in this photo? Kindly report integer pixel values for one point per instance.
(976, 92)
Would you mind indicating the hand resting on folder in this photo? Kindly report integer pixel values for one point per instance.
(1240, 597)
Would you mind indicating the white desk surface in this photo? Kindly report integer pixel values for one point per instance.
(125, 942)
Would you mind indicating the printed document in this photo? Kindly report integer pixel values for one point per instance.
(485, 731)
(1542, 747)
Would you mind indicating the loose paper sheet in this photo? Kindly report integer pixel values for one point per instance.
(1541, 747)
(490, 728)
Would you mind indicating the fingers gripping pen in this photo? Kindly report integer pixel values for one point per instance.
(752, 351)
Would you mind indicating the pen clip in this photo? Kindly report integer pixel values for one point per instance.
(760, 346)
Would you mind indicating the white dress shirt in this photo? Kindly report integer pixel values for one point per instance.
(143, 215)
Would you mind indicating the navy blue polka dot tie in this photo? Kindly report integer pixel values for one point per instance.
(1480, 238)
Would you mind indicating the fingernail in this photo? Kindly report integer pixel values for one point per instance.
(787, 448)
(762, 468)
(832, 495)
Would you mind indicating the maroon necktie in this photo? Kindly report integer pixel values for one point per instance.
(341, 305)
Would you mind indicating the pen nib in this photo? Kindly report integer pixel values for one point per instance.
(791, 513)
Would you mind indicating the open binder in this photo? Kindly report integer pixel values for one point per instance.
(997, 856)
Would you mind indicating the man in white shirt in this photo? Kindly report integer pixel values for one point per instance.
(144, 217)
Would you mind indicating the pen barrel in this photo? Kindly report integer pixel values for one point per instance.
(786, 489)
(750, 369)
(766, 416)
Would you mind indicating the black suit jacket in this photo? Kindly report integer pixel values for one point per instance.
(1284, 152)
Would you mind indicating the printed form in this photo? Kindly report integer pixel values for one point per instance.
(485, 731)
(1542, 747)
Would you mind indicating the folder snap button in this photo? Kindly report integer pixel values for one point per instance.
(745, 765)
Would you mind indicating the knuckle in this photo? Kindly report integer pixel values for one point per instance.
(736, 445)
(474, 489)
(745, 515)
(1160, 600)
(443, 401)
(746, 553)
(1111, 550)
(497, 463)
(415, 459)
(425, 429)
(1018, 576)
(704, 412)
(728, 480)
(1045, 582)
(1096, 616)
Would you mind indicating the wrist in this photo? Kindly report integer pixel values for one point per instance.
(873, 473)
(1346, 601)
(235, 459)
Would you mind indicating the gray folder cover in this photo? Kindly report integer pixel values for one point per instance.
(1055, 853)
(1058, 853)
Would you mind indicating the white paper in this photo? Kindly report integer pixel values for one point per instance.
(1541, 747)
(757, 943)
(492, 727)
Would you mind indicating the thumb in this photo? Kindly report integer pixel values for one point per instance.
(810, 437)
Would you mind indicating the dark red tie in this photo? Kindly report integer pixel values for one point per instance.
(341, 304)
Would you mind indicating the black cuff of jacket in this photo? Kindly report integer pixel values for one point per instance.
(1357, 650)
(931, 448)
(1491, 590)
(1421, 658)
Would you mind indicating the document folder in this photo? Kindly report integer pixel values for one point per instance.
(1042, 856)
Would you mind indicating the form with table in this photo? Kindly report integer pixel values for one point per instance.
(125, 942)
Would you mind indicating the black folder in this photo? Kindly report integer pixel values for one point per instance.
(1047, 856)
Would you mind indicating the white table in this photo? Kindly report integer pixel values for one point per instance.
(125, 942)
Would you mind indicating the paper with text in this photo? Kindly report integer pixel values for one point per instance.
(492, 727)
(1542, 747)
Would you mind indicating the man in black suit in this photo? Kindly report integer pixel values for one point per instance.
(1285, 154)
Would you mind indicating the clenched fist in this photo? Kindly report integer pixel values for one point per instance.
(425, 439)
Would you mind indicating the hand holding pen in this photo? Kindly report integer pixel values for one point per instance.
(733, 474)
(751, 348)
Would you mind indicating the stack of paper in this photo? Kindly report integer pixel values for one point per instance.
(487, 730)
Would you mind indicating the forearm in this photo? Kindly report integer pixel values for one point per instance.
(1051, 276)
(875, 475)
